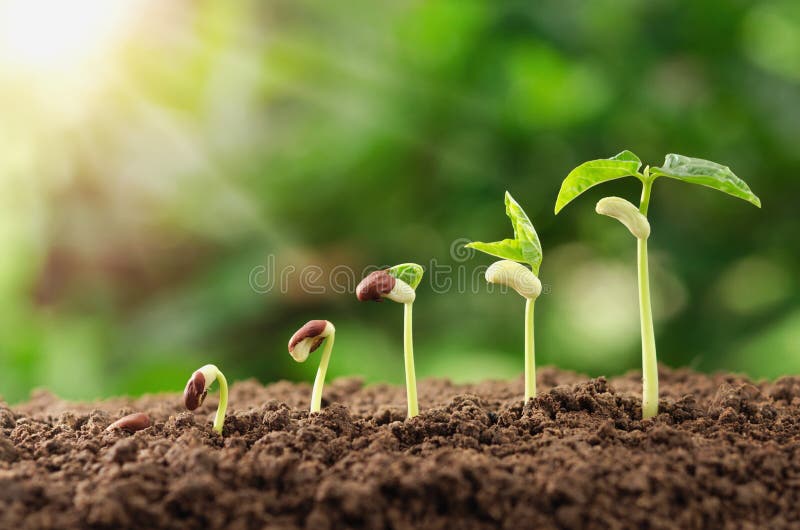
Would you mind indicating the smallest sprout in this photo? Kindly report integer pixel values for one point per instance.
(307, 339)
(626, 213)
(197, 389)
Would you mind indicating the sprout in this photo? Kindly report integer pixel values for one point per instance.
(524, 248)
(197, 388)
(398, 284)
(381, 284)
(691, 170)
(306, 340)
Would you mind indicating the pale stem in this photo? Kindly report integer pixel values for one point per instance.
(411, 378)
(219, 420)
(649, 362)
(530, 356)
(649, 359)
(316, 394)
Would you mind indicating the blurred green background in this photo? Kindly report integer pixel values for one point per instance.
(155, 155)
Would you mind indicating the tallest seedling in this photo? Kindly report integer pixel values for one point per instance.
(626, 164)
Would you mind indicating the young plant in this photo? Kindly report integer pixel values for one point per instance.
(398, 284)
(625, 164)
(306, 340)
(197, 388)
(524, 248)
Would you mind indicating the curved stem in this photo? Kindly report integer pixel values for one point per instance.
(219, 419)
(316, 393)
(411, 377)
(530, 355)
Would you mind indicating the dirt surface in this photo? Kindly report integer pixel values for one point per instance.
(723, 453)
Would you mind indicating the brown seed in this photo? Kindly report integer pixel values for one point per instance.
(195, 391)
(131, 422)
(374, 286)
(312, 328)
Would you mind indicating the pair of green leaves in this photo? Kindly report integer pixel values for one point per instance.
(524, 248)
(625, 164)
(411, 273)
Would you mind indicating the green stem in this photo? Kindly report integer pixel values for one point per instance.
(644, 204)
(649, 359)
(530, 356)
(411, 378)
(316, 394)
(219, 420)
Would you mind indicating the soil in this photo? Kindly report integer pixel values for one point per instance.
(723, 453)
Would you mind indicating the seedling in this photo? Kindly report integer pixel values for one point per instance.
(625, 164)
(306, 340)
(197, 389)
(524, 248)
(398, 284)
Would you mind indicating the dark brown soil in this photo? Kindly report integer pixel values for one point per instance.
(724, 453)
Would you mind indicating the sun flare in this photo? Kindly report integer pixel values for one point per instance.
(50, 36)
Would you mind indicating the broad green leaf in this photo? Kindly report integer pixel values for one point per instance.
(411, 273)
(506, 249)
(525, 234)
(705, 173)
(588, 174)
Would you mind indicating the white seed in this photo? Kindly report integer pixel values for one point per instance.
(515, 275)
(210, 373)
(627, 214)
(401, 292)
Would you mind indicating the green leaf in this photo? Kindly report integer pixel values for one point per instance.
(524, 248)
(525, 234)
(411, 273)
(505, 249)
(705, 173)
(588, 174)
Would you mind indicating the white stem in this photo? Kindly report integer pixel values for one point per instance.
(530, 355)
(408, 350)
(219, 420)
(649, 362)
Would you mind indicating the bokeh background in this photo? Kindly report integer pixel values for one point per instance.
(153, 155)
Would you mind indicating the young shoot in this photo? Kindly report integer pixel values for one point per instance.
(510, 271)
(398, 284)
(197, 388)
(679, 167)
(307, 339)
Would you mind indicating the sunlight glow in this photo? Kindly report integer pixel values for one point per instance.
(49, 36)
